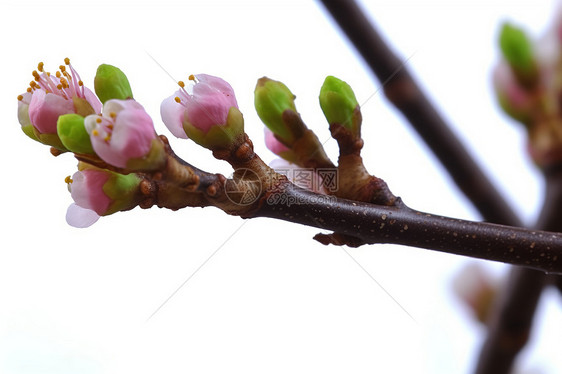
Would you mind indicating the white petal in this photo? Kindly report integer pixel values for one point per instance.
(79, 217)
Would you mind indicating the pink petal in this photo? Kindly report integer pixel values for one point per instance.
(272, 143)
(133, 134)
(172, 114)
(87, 190)
(45, 109)
(23, 109)
(93, 100)
(79, 217)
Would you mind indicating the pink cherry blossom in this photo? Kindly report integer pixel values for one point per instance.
(206, 107)
(86, 188)
(123, 132)
(53, 95)
(273, 144)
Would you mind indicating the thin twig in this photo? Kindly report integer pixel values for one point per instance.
(401, 89)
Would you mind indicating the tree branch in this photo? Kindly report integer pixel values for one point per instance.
(401, 225)
(402, 91)
(512, 315)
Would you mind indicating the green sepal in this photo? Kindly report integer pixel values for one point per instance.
(522, 115)
(271, 99)
(339, 104)
(73, 134)
(111, 83)
(50, 139)
(28, 130)
(219, 136)
(123, 190)
(154, 160)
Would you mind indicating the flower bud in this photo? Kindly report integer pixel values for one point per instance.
(73, 134)
(111, 83)
(280, 149)
(339, 104)
(103, 191)
(271, 100)
(209, 115)
(50, 96)
(518, 51)
(124, 136)
(513, 99)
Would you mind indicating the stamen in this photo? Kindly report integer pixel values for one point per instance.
(110, 126)
(107, 138)
(58, 74)
(40, 67)
(67, 61)
(98, 120)
(177, 99)
(112, 115)
(29, 89)
(68, 179)
(192, 77)
(20, 97)
(181, 84)
(95, 133)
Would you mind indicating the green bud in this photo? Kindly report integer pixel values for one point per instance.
(219, 136)
(73, 134)
(518, 51)
(338, 103)
(123, 190)
(111, 83)
(271, 99)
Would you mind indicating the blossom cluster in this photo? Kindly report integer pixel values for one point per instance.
(112, 134)
(114, 138)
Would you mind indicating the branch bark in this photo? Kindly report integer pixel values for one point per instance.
(401, 225)
(511, 321)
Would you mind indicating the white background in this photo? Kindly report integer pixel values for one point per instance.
(271, 300)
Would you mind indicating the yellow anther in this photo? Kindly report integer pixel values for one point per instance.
(107, 138)
(67, 61)
(59, 86)
(95, 133)
(35, 74)
(58, 74)
(181, 84)
(80, 83)
(40, 66)
(29, 89)
(68, 179)
(20, 97)
(191, 77)
(98, 120)
(177, 99)
(112, 115)
(110, 127)
(62, 68)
